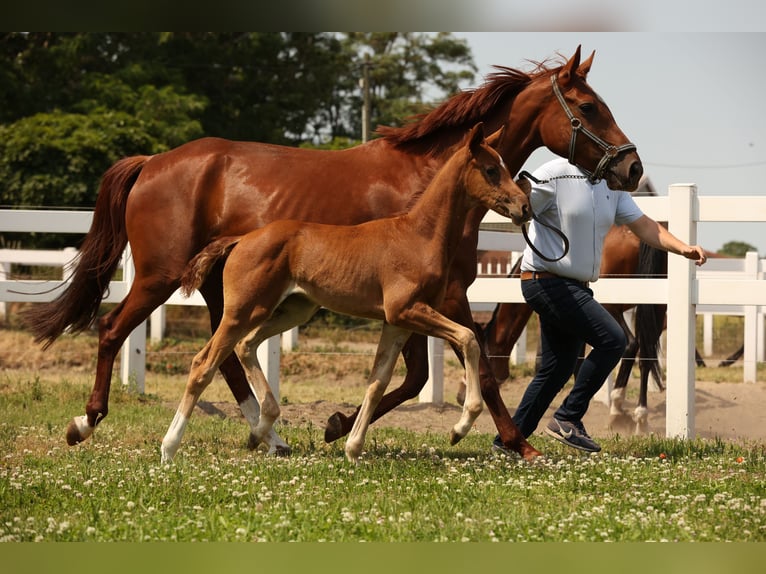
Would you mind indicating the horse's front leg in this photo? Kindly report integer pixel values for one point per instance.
(415, 353)
(458, 309)
(392, 340)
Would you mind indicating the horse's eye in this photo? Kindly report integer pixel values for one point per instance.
(587, 108)
(493, 174)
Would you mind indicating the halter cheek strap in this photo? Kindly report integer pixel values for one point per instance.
(610, 151)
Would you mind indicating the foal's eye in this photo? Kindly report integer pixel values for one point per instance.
(493, 174)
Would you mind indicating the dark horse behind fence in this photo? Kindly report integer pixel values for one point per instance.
(394, 269)
(624, 255)
(171, 205)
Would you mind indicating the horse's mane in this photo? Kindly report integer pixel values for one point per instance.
(468, 107)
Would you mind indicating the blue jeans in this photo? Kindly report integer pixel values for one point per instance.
(569, 317)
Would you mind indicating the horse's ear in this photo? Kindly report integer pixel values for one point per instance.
(584, 68)
(569, 69)
(495, 139)
(476, 136)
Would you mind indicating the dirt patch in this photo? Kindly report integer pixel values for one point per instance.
(731, 411)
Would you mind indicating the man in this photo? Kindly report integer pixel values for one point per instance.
(559, 293)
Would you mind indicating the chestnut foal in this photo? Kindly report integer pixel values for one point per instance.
(394, 269)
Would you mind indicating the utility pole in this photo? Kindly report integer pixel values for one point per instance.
(365, 85)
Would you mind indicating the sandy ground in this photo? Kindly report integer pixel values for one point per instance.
(731, 411)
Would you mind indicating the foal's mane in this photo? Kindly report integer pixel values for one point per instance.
(467, 108)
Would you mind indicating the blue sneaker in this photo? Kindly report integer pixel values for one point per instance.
(572, 434)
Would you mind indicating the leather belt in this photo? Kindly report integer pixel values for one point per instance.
(527, 275)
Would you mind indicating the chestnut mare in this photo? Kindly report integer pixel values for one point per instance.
(171, 205)
(394, 269)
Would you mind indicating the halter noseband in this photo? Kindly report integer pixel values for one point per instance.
(610, 151)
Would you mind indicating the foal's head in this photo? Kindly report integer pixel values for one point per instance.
(488, 180)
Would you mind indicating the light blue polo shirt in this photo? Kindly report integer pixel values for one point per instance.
(583, 211)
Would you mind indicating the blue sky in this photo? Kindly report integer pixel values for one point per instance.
(692, 102)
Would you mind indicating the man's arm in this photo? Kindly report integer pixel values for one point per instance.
(654, 234)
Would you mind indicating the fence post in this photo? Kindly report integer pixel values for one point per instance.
(682, 297)
(707, 334)
(433, 391)
(268, 356)
(5, 273)
(290, 339)
(750, 339)
(133, 358)
(157, 324)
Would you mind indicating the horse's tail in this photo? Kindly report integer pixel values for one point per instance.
(650, 318)
(199, 267)
(77, 307)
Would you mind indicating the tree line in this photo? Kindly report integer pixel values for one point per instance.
(71, 104)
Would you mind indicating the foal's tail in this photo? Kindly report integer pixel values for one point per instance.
(650, 319)
(100, 253)
(199, 267)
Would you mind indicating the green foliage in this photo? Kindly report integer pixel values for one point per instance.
(736, 248)
(71, 104)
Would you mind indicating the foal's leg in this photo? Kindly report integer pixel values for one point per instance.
(392, 340)
(425, 319)
(415, 354)
(295, 310)
(201, 374)
(457, 308)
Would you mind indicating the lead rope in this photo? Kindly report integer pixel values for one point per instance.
(556, 230)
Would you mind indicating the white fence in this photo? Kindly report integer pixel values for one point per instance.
(686, 291)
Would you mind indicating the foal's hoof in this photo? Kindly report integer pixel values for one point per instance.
(252, 442)
(334, 429)
(454, 437)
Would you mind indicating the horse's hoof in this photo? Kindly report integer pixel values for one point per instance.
(252, 442)
(281, 451)
(334, 429)
(454, 437)
(78, 430)
(530, 453)
(73, 436)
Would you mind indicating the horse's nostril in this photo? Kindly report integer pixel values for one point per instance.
(636, 170)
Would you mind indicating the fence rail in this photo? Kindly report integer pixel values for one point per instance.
(685, 291)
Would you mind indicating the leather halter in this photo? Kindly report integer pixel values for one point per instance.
(610, 151)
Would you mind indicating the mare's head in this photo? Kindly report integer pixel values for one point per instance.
(488, 181)
(576, 123)
(551, 106)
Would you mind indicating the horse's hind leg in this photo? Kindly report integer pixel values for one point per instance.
(392, 340)
(113, 328)
(203, 368)
(232, 370)
(294, 310)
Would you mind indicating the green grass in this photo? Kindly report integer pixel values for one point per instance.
(407, 487)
